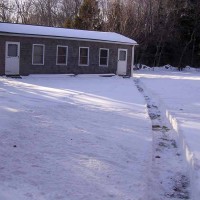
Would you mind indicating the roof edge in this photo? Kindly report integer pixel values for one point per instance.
(64, 38)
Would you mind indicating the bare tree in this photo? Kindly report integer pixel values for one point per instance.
(166, 30)
(6, 11)
(68, 11)
(45, 12)
(24, 10)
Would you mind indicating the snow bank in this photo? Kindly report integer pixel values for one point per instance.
(192, 157)
(164, 68)
(179, 94)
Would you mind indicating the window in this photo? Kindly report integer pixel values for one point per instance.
(83, 56)
(122, 55)
(38, 54)
(103, 57)
(62, 52)
(12, 50)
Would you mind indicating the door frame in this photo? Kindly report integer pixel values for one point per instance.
(124, 61)
(6, 56)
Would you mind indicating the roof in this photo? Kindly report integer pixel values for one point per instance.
(43, 31)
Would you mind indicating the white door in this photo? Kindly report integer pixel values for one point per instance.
(12, 58)
(122, 62)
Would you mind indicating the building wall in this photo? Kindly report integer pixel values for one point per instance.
(50, 66)
(2, 55)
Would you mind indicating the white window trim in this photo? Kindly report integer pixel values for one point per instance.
(87, 58)
(33, 53)
(100, 57)
(57, 55)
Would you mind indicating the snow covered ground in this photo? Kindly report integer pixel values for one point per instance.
(178, 93)
(74, 138)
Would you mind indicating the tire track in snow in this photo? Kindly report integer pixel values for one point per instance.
(168, 174)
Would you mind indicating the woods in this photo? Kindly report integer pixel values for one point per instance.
(167, 31)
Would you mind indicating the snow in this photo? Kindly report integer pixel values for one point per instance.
(179, 95)
(169, 177)
(65, 33)
(164, 68)
(73, 138)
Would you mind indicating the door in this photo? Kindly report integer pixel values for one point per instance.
(122, 62)
(12, 58)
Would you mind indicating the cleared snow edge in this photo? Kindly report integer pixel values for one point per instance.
(191, 160)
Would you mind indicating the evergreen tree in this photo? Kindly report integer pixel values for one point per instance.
(68, 23)
(89, 17)
(78, 23)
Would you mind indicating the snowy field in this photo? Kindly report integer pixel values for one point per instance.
(178, 93)
(77, 138)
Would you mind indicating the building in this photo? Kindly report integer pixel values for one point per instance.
(29, 49)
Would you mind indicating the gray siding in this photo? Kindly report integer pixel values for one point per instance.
(50, 66)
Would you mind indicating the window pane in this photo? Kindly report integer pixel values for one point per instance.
(103, 57)
(62, 50)
(83, 60)
(38, 54)
(38, 59)
(38, 50)
(83, 52)
(103, 61)
(62, 55)
(12, 50)
(61, 60)
(84, 55)
(122, 55)
(104, 53)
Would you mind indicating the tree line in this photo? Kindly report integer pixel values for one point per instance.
(167, 31)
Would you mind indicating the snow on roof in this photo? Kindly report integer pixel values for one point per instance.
(64, 32)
